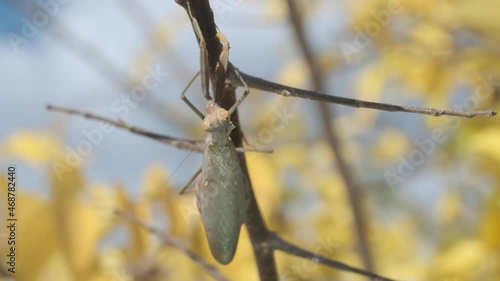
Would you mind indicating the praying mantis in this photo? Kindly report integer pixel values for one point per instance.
(221, 192)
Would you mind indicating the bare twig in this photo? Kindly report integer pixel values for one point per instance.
(197, 146)
(166, 239)
(287, 91)
(279, 243)
(179, 143)
(192, 145)
(353, 189)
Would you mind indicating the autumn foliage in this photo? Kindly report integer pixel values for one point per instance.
(431, 186)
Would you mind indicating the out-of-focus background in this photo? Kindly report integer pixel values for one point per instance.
(430, 185)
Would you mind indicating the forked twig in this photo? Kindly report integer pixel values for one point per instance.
(166, 239)
(279, 243)
(287, 91)
(179, 143)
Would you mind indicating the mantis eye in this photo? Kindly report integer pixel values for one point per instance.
(222, 114)
(205, 125)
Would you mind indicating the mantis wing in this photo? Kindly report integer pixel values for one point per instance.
(222, 200)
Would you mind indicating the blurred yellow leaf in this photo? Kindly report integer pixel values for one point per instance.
(241, 265)
(370, 83)
(139, 236)
(433, 38)
(56, 268)
(479, 14)
(395, 246)
(485, 142)
(34, 147)
(65, 189)
(461, 259)
(267, 187)
(113, 265)
(104, 201)
(155, 182)
(79, 225)
(490, 224)
(419, 72)
(274, 11)
(390, 145)
(449, 207)
(180, 209)
(288, 156)
(294, 73)
(37, 233)
(84, 231)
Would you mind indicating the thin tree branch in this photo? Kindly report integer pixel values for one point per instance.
(287, 91)
(354, 191)
(179, 143)
(279, 243)
(192, 145)
(166, 239)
